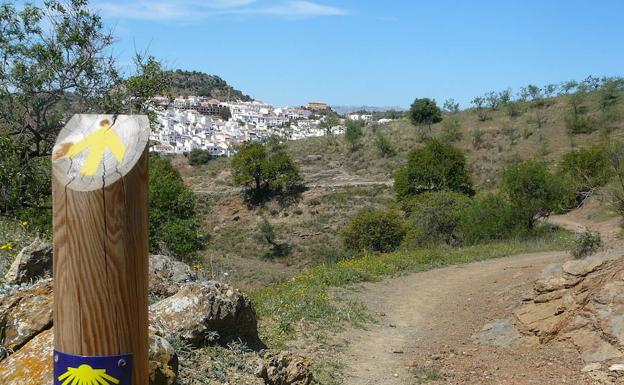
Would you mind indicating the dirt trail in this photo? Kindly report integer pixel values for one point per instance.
(428, 319)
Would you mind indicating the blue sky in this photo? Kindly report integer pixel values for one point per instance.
(366, 52)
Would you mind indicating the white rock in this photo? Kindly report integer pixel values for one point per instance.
(616, 367)
(591, 367)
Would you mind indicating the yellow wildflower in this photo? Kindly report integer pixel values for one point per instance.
(6, 246)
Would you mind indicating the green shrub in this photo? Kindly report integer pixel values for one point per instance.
(451, 130)
(433, 218)
(535, 192)
(354, 132)
(586, 243)
(198, 157)
(579, 124)
(478, 138)
(587, 168)
(174, 225)
(488, 217)
(384, 146)
(371, 230)
(434, 167)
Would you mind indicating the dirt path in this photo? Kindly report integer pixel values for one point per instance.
(426, 323)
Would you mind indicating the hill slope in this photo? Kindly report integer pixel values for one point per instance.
(201, 84)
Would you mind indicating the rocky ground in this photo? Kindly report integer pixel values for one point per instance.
(201, 331)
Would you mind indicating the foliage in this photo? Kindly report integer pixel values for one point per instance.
(384, 146)
(587, 168)
(174, 224)
(354, 132)
(201, 84)
(489, 217)
(586, 243)
(433, 218)
(372, 230)
(534, 192)
(198, 157)
(579, 124)
(425, 112)
(451, 106)
(434, 167)
(264, 172)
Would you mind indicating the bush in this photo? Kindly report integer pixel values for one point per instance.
(197, 157)
(586, 243)
(174, 225)
(579, 124)
(425, 111)
(354, 132)
(451, 130)
(586, 169)
(535, 192)
(433, 218)
(488, 217)
(478, 139)
(384, 146)
(371, 230)
(434, 167)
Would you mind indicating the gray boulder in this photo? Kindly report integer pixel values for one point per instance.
(33, 262)
(204, 312)
(166, 275)
(284, 368)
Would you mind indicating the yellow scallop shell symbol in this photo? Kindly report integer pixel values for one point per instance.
(86, 375)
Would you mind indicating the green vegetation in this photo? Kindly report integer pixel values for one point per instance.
(174, 225)
(264, 172)
(586, 169)
(434, 167)
(354, 132)
(201, 84)
(198, 157)
(433, 218)
(534, 192)
(371, 230)
(586, 243)
(425, 111)
(308, 299)
(488, 218)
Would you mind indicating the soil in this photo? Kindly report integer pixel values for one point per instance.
(426, 325)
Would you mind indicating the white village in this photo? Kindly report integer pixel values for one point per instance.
(200, 123)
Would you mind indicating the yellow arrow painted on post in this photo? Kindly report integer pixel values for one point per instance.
(101, 139)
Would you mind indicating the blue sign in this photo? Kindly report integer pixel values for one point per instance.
(97, 370)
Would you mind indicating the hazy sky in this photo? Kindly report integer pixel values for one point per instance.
(355, 52)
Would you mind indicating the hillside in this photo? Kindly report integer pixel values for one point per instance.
(201, 84)
(342, 181)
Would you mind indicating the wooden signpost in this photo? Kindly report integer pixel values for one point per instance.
(100, 208)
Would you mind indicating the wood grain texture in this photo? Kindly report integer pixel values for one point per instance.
(101, 263)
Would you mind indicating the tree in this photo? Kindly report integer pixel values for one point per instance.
(425, 112)
(434, 167)
(354, 132)
(266, 233)
(451, 106)
(263, 173)
(586, 169)
(534, 192)
(328, 122)
(174, 224)
(197, 157)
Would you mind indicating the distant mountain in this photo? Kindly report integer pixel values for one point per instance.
(349, 109)
(201, 84)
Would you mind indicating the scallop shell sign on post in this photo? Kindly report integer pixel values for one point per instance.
(94, 151)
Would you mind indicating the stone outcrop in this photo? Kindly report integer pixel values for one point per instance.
(24, 313)
(33, 262)
(204, 312)
(163, 361)
(167, 274)
(284, 368)
(580, 300)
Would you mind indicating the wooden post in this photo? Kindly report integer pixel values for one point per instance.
(100, 209)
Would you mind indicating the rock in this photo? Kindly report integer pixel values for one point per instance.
(166, 275)
(593, 348)
(33, 262)
(32, 364)
(202, 312)
(616, 367)
(591, 367)
(498, 333)
(284, 368)
(24, 313)
(582, 267)
(163, 361)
